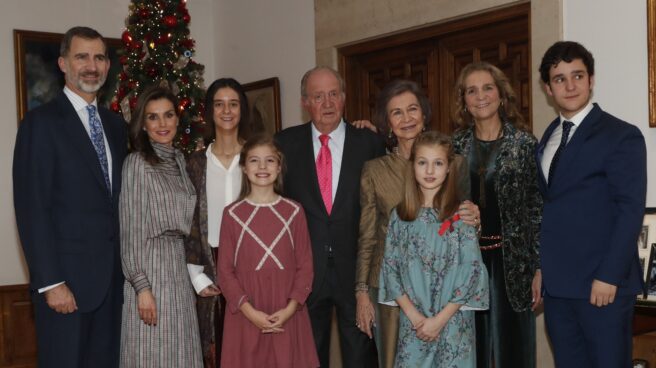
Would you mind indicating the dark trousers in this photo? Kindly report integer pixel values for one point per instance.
(583, 335)
(504, 338)
(355, 345)
(79, 340)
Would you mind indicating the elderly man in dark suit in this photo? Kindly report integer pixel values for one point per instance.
(67, 177)
(593, 180)
(324, 161)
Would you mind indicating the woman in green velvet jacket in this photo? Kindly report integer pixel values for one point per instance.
(504, 184)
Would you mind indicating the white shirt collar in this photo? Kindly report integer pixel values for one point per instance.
(78, 102)
(336, 135)
(578, 118)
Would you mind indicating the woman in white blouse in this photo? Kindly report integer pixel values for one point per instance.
(216, 176)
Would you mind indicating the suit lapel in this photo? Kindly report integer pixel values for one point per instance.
(542, 179)
(306, 160)
(575, 143)
(347, 166)
(79, 138)
(113, 149)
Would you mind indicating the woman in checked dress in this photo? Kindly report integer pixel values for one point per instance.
(156, 207)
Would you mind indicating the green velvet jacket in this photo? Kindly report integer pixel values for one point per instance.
(520, 207)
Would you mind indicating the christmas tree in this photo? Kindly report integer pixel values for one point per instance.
(159, 50)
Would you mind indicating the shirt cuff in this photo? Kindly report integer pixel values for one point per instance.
(44, 289)
(198, 279)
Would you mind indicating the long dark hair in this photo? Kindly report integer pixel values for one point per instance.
(244, 129)
(446, 201)
(139, 140)
(258, 140)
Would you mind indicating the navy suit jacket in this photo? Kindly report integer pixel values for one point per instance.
(67, 219)
(338, 230)
(594, 208)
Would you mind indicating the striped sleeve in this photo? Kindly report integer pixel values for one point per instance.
(132, 216)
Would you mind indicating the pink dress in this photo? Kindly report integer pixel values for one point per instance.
(265, 258)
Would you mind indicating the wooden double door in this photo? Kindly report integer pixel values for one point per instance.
(433, 57)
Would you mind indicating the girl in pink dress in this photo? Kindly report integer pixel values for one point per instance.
(265, 268)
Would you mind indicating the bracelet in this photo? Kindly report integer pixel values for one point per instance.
(361, 286)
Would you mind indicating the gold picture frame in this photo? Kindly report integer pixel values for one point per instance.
(651, 59)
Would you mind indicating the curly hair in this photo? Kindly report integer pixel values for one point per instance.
(508, 110)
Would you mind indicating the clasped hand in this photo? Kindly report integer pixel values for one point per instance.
(428, 329)
(272, 323)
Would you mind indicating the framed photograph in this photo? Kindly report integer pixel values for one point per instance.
(264, 102)
(650, 281)
(38, 78)
(647, 256)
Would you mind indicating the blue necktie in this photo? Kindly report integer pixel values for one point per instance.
(98, 140)
(567, 126)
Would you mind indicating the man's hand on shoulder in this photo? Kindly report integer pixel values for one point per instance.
(61, 299)
(602, 293)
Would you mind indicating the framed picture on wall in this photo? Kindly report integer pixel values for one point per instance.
(264, 102)
(647, 255)
(38, 78)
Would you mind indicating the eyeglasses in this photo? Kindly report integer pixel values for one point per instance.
(319, 98)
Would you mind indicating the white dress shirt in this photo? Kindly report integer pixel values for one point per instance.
(222, 186)
(336, 146)
(554, 140)
(80, 106)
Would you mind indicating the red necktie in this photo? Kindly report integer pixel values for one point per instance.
(325, 172)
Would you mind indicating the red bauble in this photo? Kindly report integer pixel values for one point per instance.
(144, 13)
(152, 71)
(186, 18)
(163, 38)
(184, 103)
(115, 106)
(133, 102)
(182, 6)
(187, 43)
(132, 84)
(123, 59)
(170, 21)
(122, 76)
(126, 37)
(137, 45)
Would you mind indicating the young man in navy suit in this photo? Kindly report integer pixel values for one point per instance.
(67, 178)
(593, 181)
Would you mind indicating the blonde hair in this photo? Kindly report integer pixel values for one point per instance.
(446, 200)
(508, 110)
(258, 141)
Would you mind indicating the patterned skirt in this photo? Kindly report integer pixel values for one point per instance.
(174, 341)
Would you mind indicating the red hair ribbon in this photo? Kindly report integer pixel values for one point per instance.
(448, 224)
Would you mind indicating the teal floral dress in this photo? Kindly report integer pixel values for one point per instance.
(434, 270)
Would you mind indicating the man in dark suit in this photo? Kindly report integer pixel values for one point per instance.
(324, 161)
(67, 179)
(593, 182)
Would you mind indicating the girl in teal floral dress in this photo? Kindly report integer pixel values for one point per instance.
(432, 265)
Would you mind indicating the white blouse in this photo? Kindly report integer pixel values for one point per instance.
(222, 187)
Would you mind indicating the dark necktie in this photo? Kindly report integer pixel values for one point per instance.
(98, 140)
(567, 126)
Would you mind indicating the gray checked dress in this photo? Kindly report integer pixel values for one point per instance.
(156, 208)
